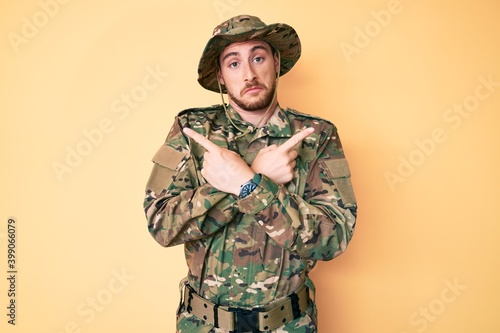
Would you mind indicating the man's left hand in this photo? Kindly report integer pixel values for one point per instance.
(223, 169)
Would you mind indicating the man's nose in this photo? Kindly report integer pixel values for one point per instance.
(249, 73)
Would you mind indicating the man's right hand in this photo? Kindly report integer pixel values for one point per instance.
(278, 163)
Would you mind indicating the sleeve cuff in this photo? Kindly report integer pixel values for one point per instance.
(260, 198)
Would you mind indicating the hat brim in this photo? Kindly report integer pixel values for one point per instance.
(281, 36)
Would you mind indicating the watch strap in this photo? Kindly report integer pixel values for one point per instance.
(250, 185)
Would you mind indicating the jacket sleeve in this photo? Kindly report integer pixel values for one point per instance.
(318, 224)
(179, 205)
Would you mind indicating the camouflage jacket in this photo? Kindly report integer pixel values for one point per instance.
(251, 251)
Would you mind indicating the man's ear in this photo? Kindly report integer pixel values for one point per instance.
(219, 77)
(276, 63)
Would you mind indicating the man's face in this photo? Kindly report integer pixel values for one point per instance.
(248, 71)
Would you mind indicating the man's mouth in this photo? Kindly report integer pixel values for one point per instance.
(253, 89)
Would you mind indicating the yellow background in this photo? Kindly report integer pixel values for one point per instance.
(425, 256)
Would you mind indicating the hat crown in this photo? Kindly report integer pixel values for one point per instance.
(238, 24)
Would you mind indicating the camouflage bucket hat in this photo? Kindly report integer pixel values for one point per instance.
(242, 28)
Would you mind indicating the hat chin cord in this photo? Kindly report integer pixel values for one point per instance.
(251, 128)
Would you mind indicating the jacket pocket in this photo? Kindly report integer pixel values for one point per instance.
(341, 177)
(167, 163)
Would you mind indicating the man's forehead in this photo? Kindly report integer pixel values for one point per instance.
(234, 47)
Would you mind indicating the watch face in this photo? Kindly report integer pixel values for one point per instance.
(247, 189)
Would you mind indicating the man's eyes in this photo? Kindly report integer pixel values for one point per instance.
(235, 64)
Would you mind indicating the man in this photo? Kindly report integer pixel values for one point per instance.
(256, 193)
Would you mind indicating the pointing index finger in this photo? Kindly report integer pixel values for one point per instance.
(202, 140)
(296, 138)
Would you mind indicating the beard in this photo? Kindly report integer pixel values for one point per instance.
(260, 104)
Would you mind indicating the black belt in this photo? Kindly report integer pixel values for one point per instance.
(243, 320)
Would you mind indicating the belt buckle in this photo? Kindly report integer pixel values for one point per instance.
(246, 321)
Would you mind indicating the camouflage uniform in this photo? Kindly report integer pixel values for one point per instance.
(251, 251)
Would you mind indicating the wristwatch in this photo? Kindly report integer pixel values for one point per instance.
(250, 185)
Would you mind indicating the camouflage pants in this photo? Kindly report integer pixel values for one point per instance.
(189, 323)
